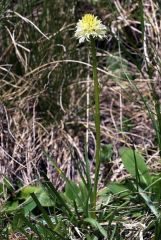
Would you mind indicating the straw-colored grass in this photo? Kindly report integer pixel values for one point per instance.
(43, 88)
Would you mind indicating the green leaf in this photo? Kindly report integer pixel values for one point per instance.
(89, 237)
(148, 201)
(54, 194)
(96, 225)
(26, 191)
(155, 187)
(17, 222)
(84, 193)
(41, 194)
(8, 184)
(71, 190)
(106, 153)
(44, 213)
(11, 206)
(120, 189)
(27, 206)
(45, 200)
(1, 188)
(30, 224)
(135, 164)
(62, 174)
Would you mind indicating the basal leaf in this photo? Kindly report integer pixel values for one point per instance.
(135, 164)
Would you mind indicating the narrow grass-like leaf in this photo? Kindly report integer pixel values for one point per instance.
(60, 172)
(44, 213)
(54, 193)
(87, 171)
(30, 225)
(85, 197)
(52, 234)
(113, 233)
(158, 229)
(148, 201)
(70, 185)
(94, 223)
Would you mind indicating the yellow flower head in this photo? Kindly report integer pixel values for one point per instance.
(89, 26)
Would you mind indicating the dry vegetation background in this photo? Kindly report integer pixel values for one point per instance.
(43, 83)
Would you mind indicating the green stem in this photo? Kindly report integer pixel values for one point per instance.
(97, 125)
(157, 107)
(158, 115)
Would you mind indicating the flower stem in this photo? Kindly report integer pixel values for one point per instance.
(97, 125)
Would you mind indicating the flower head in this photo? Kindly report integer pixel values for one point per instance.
(90, 26)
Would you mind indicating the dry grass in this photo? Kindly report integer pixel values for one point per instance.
(43, 104)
